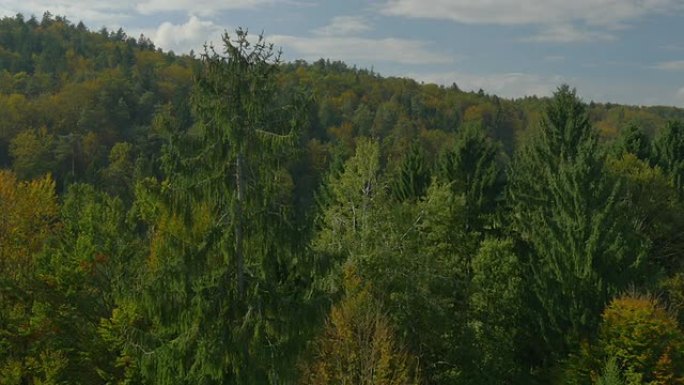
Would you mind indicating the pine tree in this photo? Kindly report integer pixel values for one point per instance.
(225, 279)
(633, 140)
(668, 150)
(611, 374)
(92, 267)
(29, 333)
(413, 177)
(473, 169)
(566, 210)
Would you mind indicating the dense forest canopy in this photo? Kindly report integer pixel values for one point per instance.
(228, 218)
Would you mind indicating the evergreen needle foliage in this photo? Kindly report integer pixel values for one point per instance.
(581, 253)
(224, 286)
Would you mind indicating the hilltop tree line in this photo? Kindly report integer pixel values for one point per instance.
(229, 218)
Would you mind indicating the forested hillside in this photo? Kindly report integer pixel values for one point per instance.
(227, 218)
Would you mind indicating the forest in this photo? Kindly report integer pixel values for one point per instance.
(226, 217)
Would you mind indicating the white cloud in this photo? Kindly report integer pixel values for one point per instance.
(351, 49)
(554, 58)
(114, 14)
(181, 38)
(594, 12)
(679, 97)
(203, 7)
(604, 14)
(344, 25)
(675, 65)
(508, 85)
(96, 12)
(108, 12)
(672, 47)
(567, 33)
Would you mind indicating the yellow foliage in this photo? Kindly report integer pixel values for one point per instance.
(482, 113)
(343, 134)
(644, 338)
(28, 216)
(606, 129)
(358, 346)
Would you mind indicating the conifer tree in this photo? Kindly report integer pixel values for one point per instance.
(413, 178)
(29, 333)
(566, 210)
(410, 252)
(93, 267)
(611, 374)
(668, 150)
(633, 140)
(224, 283)
(472, 168)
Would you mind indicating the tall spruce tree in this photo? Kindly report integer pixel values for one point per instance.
(566, 210)
(223, 284)
(473, 169)
(669, 154)
(413, 178)
(633, 140)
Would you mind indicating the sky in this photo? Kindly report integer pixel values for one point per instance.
(619, 51)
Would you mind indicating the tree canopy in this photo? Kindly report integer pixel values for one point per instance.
(229, 218)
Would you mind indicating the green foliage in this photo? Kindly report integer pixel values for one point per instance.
(633, 140)
(611, 374)
(59, 291)
(673, 288)
(650, 203)
(84, 90)
(32, 153)
(197, 254)
(413, 177)
(497, 302)
(29, 333)
(429, 285)
(119, 173)
(355, 197)
(564, 208)
(409, 253)
(225, 263)
(473, 170)
(668, 148)
(93, 266)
